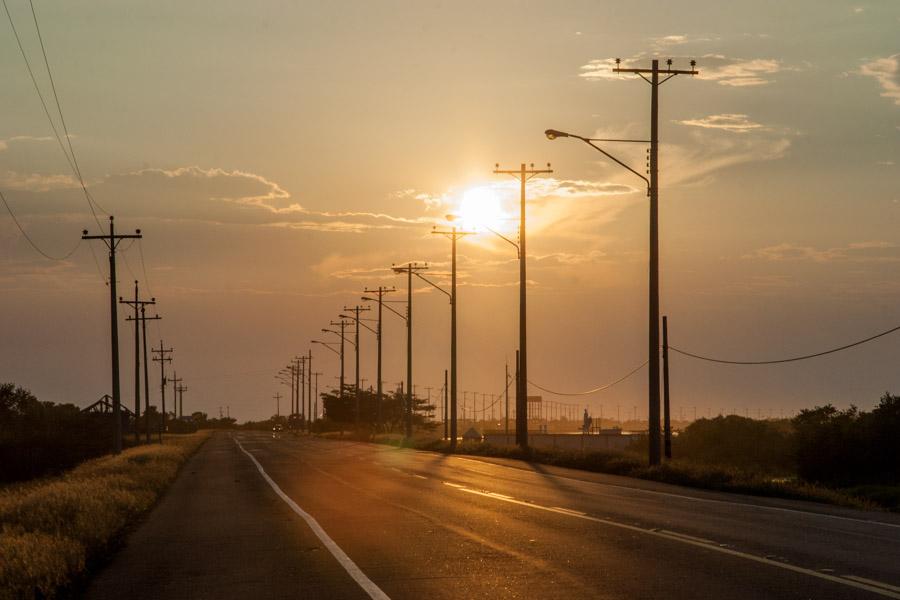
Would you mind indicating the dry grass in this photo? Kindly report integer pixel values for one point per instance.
(52, 529)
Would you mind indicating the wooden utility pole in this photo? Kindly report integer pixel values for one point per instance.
(379, 292)
(667, 421)
(277, 398)
(175, 382)
(143, 318)
(162, 358)
(410, 269)
(523, 174)
(356, 310)
(654, 80)
(112, 241)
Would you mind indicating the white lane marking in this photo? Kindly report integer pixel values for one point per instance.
(355, 572)
(689, 537)
(456, 485)
(576, 513)
(870, 586)
(886, 586)
(693, 498)
(419, 476)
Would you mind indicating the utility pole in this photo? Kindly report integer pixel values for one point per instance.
(143, 319)
(654, 80)
(667, 422)
(523, 174)
(316, 402)
(301, 388)
(309, 412)
(453, 234)
(135, 304)
(356, 310)
(379, 292)
(410, 269)
(181, 390)
(175, 381)
(112, 241)
(446, 396)
(277, 398)
(162, 358)
(343, 325)
(506, 391)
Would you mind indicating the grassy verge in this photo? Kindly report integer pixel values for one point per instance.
(53, 529)
(709, 477)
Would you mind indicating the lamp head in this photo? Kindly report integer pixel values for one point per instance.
(552, 134)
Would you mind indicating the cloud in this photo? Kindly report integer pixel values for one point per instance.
(212, 195)
(4, 142)
(711, 150)
(734, 72)
(857, 252)
(37, 182)
(886, 71)
(738, 123)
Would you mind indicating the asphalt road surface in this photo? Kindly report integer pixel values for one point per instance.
(253, 516)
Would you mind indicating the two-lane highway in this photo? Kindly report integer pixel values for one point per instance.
(406, 524)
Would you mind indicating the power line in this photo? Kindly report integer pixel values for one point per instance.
(73, 164)
(62, 119)
(596, 389)
(31, 241)
(785, 360)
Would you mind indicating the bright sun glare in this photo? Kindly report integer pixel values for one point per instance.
(480, 207)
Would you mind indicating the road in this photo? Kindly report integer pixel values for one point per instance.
(253, 516)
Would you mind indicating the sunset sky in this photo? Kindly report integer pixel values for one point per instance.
(280, 156)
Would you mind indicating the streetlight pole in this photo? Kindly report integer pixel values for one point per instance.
(380, 292)
(453, 234)
(654, 80)
(410, 269)
(523, 174)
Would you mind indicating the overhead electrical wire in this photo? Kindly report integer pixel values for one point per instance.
(62, 119)
(31, 241)
(596, 389)
(784, 360)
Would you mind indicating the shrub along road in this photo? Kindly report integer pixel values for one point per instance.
(263, 517)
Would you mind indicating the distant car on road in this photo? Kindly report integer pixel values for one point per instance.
(277, 428)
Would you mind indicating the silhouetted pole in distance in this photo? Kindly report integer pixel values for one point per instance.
(175, 382)
(667, 422)
(135, 304)
(162, 359)
(112, 240)
(380, 292)
(309, 412)
(144, 319)
(446, 397)
(523, 174)
(410, 269)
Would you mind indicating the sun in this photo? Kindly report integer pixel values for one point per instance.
(480, 207)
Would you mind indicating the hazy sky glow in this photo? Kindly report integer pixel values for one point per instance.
(280, 156)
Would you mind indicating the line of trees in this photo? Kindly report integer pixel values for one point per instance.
(824, 445)
(342, 410)
(39, 438)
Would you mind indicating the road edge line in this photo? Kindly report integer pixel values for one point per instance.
(354, 571)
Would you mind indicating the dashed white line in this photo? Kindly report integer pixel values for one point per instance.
(355, 572)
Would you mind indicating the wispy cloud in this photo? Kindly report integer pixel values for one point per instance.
(5, 142)
(737, 123)
(36, 182)
(886, 71)
(857, 252)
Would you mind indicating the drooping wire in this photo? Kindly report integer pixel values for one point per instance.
(31, 241)
(596, 389)
(37, 89)
(784, 360)
(62, 119)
